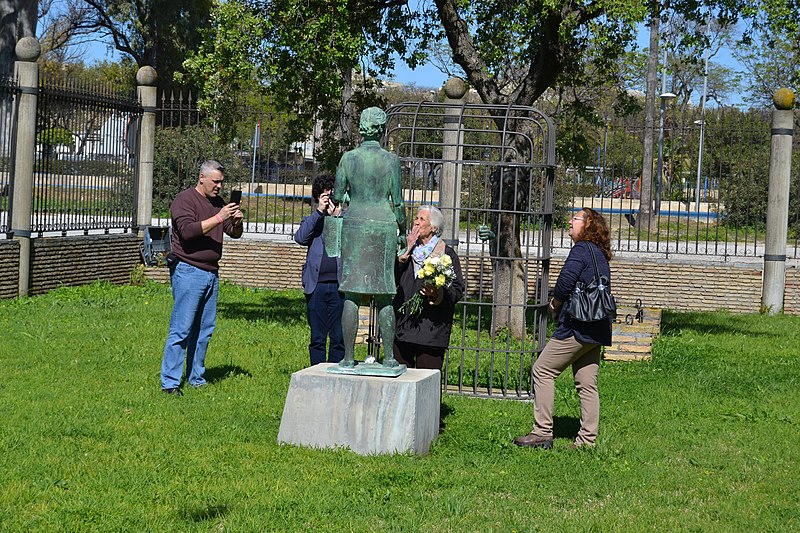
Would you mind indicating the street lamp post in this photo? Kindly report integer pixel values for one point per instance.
(660, 165)
(605, 151)
(664, 96)
(702, 123)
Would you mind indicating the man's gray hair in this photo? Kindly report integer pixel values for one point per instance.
(436, 217)
(209, 165)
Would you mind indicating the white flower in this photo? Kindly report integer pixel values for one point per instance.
(370, 359)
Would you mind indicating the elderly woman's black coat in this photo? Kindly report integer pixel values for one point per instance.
(433, 325)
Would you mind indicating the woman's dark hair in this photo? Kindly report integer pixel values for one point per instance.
(322, 183)
(595, 230)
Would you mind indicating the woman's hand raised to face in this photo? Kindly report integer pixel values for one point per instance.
(413, 235)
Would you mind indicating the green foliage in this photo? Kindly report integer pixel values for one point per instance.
(741, 154)
(304, 55)
(222, 66)
(702, 438)
(772, 62)
(178, 155)
(106, 76)
(55, 137)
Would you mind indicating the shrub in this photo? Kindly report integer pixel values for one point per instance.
(178, 155)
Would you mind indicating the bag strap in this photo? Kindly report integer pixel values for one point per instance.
(596, 270)
(594, 261)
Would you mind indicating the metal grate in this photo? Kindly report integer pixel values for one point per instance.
(85, 169)
(8, 92)
(491, 166)
(273, 169)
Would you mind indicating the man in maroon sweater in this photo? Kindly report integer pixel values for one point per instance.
(199, 218)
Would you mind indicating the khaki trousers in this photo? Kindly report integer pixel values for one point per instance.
(554, 359)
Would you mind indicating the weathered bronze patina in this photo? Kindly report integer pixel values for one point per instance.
(371, 177)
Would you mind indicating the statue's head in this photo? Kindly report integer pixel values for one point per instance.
(373, 120)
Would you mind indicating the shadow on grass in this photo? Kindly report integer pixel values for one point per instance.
(566, 427)
(446, 411)
(208, 512)
(218, 373)
(269, 309)
(710, 324)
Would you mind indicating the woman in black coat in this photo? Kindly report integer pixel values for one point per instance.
(573, 343)
(421, 339)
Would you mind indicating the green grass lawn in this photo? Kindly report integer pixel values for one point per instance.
(703, 438)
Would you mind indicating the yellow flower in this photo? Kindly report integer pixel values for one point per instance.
(446, 261)
(428, 270)
(421, 273)
(440, 280)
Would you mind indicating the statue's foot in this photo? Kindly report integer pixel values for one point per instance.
(390, 363)
(347, 362)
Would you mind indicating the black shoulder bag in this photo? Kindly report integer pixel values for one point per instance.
(593, 301)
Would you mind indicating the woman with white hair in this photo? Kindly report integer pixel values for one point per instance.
(422, 338)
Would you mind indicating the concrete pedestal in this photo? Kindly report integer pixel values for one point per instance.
(369, 415)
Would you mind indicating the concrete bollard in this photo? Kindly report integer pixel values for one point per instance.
(146, 79)
(27, 74)
(780, 166)
(450, 187)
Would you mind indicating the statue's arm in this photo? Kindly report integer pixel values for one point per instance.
(340, 183)
(398, 204)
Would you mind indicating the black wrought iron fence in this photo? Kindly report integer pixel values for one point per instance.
(710, 197)
(709, 200)
(8, 91)
(85, 170)
(273, 170)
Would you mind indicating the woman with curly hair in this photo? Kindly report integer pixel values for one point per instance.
(573, 343)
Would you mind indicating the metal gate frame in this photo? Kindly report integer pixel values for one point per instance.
(493, 166)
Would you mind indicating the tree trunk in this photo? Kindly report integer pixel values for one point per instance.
(645, 215)
(510, 294)
(347, 133)
(17, 20)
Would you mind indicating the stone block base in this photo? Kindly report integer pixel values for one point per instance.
(368, 415)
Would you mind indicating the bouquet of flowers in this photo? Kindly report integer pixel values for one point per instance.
(435, 271)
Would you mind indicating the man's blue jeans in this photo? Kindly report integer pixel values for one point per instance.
(324, 313)
(194, 315)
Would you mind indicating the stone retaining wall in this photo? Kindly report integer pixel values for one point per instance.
(9, 268)
(659, 283)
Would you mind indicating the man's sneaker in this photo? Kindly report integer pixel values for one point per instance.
(174, 391)
(534, 441)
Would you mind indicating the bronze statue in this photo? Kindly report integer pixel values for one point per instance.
(370, 176)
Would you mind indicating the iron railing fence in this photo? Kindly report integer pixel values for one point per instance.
(261, 158)
(712, 198)
(723, 216)
(491, 166)
(275, 173)
(85, 171)
(8, 92)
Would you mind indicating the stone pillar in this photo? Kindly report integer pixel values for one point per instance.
(27, 74)
(780, 166)
(146, 79)
(450, 184)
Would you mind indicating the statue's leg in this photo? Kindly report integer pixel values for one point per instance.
(386, 321)
(349, 328)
